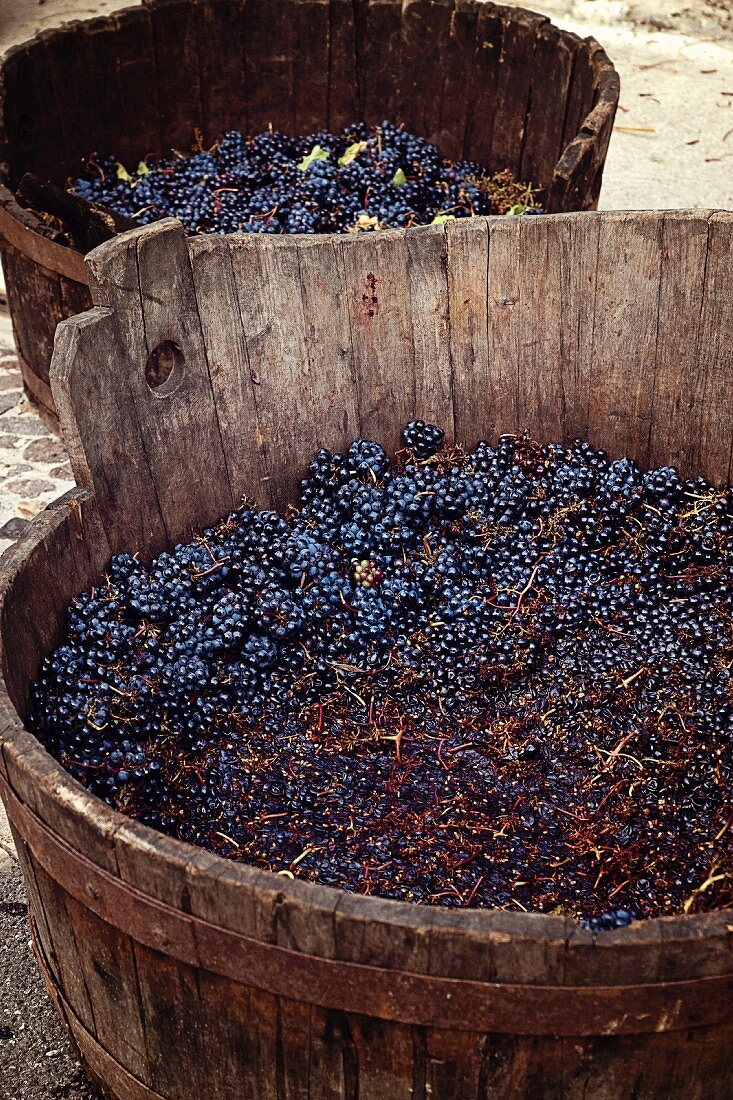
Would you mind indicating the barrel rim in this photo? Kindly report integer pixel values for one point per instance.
(24, 230)
(20, 749)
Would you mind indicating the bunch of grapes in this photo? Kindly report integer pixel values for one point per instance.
(501, 678)
(357, 181)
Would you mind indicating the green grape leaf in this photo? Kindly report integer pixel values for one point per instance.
(399, 178)
(440, 218)
(352, 153)
(518, 208)
(142, 169)
(122, 173)
(316, 153)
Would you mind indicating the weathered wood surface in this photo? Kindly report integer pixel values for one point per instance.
(498, 85)
(86, 222)
(621, 328)
(487, 327)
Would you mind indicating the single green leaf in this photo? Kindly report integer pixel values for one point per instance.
(352, 153)
(399, 178)
(518, 208)
(122, 173)
(440, 218)
(316, 153)
(142, 169)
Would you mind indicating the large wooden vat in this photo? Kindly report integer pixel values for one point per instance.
(182, 975)
(501, 85)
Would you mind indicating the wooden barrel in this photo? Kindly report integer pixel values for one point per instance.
(496, 84)
(182, 975)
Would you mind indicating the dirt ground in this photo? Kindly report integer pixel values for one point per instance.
(672, 147)
(35, 1059)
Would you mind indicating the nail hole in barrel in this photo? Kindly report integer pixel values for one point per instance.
(164, 368)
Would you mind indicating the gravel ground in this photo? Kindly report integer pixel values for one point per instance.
(672, 148)
(36, 1062)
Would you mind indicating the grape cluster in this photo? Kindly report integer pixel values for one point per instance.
(357, 181)
(499, 677)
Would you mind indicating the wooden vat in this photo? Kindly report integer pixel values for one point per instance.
(181, 975)
(498, 84)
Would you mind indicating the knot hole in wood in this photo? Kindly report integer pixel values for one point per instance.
(164, 368)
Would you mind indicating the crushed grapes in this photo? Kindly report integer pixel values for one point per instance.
(498, 677)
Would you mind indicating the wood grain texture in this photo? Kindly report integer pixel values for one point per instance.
(42, 931)
(482, 100)
(425, 36)
(626, 316)
(143, 128)
(329, 346)
(100, 46)
(516, 73)
(344, 96)
(376, 274)
(678, 373)
(99, 457)
(467, 266)
(296, 410)
(32, 113)
(583, 88)
(221, 27)
(576, 244)
(312, 49)
(18, 134)
(177, 73)
(150, 284)
(72, 80)
(32, 291)
(505, 331)
(453, 1064)
(383, 1055)
(544, 325)
(427, 259)
(459, 90)
(234, 380)
(63, 946)
(269, 46)
(379, 59)
(576, 182)
(713, 415)
(106, 965)
(547, 109)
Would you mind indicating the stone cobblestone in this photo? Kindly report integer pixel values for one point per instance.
(33, 466)
(33, 472)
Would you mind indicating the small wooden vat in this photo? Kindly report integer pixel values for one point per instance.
(498, 84)
(180, 975)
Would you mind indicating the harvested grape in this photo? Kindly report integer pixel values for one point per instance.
(359, 180)
(500, 677)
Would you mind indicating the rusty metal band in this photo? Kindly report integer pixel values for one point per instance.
(54, 257)
(410, 998)
(100, 1064)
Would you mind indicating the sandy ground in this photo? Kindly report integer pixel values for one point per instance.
(672, 147)
(673, 141)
